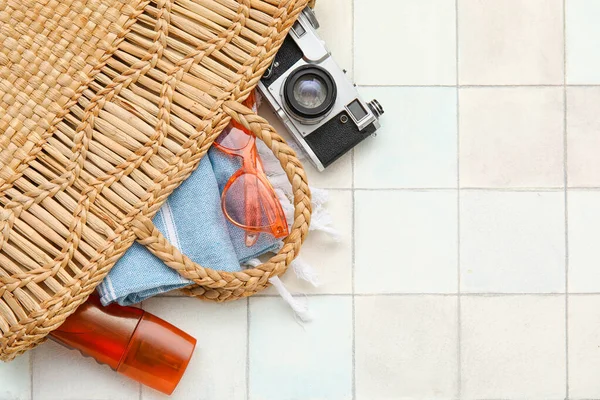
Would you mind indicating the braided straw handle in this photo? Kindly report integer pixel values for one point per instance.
(219, 285)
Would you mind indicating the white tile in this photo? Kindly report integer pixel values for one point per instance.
(584, 230)
(511, 137)
(290, 361)
(15, 379)
(330, 259)
(406, 242)
(336, 19)
(63, 374)
(336, 176)
(510, 42)
(410, 42)
(513, 347)
(512, 242)
(584, 347)
(583, 136)
(406, 347)
(583, 40)
(218, 368)
(416, 145)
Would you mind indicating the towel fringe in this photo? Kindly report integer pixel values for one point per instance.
(300, 308)
(306, 272)
(303, 269)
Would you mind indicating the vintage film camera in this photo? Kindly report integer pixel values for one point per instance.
(314, 98)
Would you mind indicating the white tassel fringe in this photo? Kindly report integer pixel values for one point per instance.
(300, 307)
(306, 272)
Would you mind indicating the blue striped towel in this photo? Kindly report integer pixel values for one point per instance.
(192, 220)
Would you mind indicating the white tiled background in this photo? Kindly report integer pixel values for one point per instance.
(468, 266)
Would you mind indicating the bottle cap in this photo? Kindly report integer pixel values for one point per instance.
(157, 354)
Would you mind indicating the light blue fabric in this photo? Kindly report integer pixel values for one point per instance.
(192, 220)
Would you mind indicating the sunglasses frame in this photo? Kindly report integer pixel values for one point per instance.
(252, 165)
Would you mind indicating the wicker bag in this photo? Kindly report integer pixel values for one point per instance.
(106, 106)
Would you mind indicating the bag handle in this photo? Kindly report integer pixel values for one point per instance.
(219, 285)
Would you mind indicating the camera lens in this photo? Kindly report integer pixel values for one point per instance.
(309, 92)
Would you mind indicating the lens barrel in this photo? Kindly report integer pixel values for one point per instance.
(310, 92)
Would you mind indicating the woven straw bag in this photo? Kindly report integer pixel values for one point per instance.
(106, 106)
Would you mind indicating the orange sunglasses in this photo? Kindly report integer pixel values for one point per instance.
(248, 200)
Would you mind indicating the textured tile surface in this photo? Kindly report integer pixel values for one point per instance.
(512, 242)
(412, 42)
(583, 39)
(513, 347)
(583, 137)
(336, 19)
(416, 146)
(218, 367)
(584, 230)
(407, 242)
(406, 347)
(511, 137)
(15, 379)
(289, 361)
(510, 42)
(584, 347)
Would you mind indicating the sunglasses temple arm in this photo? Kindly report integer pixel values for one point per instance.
(252, 207)
(273, 209)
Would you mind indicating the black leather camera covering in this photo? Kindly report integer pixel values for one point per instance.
(289, 53)
(334, 138)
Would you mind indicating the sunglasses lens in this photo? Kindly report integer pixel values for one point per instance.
(249, 203)
(233, 139)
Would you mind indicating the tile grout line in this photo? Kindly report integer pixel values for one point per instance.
(439, 294)
(462, 294)
(566, 186)
(353, 285)
(540, 86)
(248, 348)
(449, 294)
(472, 189)
(458, 280)
(353, 227)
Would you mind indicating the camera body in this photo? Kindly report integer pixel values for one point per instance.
(314, 98)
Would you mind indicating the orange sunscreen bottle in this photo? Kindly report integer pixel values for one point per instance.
(130, 341)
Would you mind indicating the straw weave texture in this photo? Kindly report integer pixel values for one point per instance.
(106, 106)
